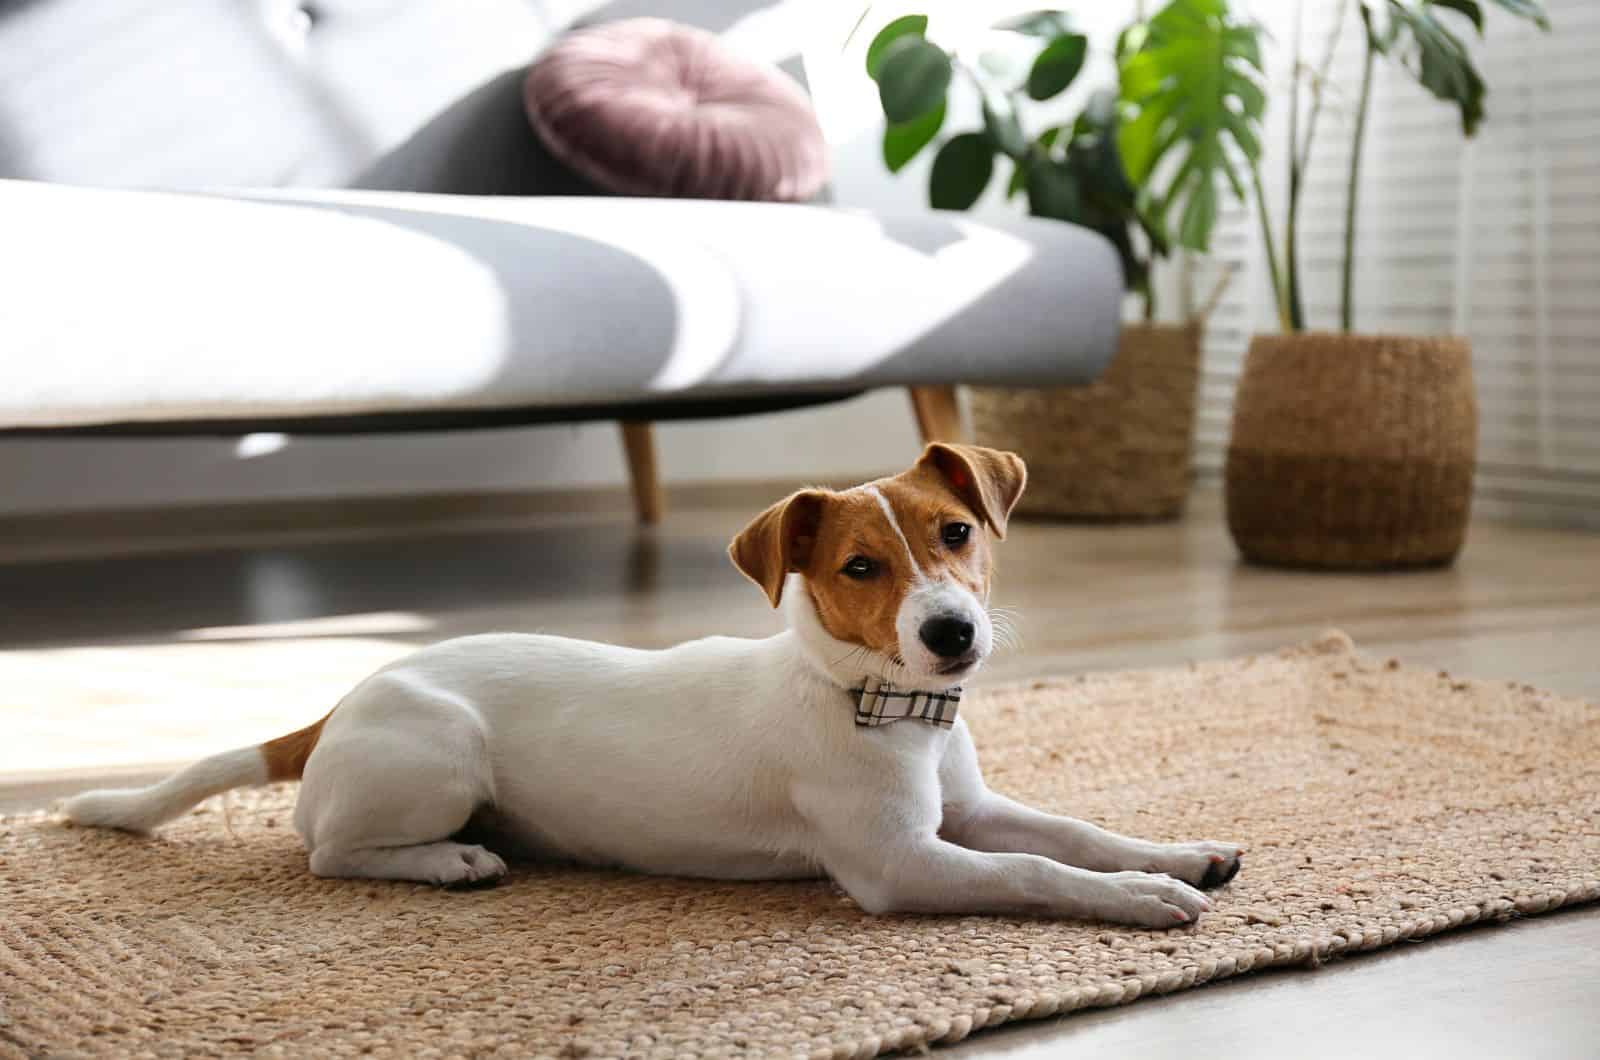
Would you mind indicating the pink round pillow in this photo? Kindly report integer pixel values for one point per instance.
(649, 107)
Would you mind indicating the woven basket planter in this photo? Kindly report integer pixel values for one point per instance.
(1352, 451)
(1118, 448)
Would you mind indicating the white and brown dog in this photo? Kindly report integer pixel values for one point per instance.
(725, 758)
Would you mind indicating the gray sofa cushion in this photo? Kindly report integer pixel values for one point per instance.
(480, 145)
(141, 306)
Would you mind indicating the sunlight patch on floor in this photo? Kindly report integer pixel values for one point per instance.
(372, 624)
(126, 705)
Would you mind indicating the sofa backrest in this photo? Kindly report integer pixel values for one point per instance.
(217, 93)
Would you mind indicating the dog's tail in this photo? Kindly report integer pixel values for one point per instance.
(141, 809)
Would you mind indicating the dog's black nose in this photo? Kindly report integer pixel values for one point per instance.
(947, 636)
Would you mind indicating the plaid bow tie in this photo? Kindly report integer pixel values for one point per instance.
(880, 703)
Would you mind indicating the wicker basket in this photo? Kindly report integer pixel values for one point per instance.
(1117, 448)
(1353, 451)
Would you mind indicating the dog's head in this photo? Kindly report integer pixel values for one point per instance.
(895, 573)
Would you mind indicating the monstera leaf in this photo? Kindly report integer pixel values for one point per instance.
(1190, 83)
(1425, 45)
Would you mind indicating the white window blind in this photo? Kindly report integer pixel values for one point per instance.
(1496, 238)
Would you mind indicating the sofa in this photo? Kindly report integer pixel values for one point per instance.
(223, 218)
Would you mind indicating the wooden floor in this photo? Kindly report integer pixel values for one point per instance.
(122, 666)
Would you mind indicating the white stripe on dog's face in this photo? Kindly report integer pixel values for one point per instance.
(894, 524)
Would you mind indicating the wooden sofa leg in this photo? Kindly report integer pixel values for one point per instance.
(938, 415)
(639, 441)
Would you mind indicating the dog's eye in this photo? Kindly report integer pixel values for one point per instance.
(859, 567)
(955, 534)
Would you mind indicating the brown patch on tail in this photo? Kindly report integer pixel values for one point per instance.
(286, 756)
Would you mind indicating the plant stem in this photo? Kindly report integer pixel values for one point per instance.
(1347, 307)
(848, 37)
(1319, 81)
(1280, 296)
(1291, 238)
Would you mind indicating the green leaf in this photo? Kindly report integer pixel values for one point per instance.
(1233, 181)
(1057, 65)
(906, 25)
(1052, 190)
(1093, 157)
(1150, 215)
(1141, 76)
(1469, 8)
(1440, 62)
(1532, 10)
(1004, 131)
(902, 142)
(1251, 99)
(1436, 57)
(1047, 24)
(1135, 272)
(1145, 140)
(1019, 179)
(912, 78)
(1244, 136)
(1199, 216)
(1130, 40)
(1179, 186)
(961, 170)
(1243, 42)
(1192, 94)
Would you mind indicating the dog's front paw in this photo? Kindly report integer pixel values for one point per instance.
(1204, 864)
(464, 865)
(1150, 900)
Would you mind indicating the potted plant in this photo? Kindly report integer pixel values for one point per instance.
(1352, 450)
(1121, 446)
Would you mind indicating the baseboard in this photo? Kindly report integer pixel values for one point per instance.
(45, 537)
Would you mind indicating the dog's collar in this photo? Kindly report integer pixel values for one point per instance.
(879, 703)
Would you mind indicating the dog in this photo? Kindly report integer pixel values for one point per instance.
(835, 747)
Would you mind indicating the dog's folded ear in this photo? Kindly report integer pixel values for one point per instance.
(778, 541)
(988, 480)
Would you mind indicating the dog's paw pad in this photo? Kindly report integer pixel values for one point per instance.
(1204, 864)
(1220, 871)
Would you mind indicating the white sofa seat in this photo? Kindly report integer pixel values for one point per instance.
(259, 306)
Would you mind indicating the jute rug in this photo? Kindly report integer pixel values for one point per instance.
(1377, 802)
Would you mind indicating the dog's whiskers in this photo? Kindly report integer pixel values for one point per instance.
(841, 660)
(1004, 623)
